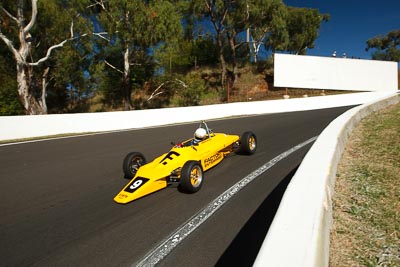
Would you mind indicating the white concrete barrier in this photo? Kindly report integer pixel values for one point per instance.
(334, 73)
(299, 234)
(19, 127)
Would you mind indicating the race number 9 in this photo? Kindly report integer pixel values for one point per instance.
(136, 184)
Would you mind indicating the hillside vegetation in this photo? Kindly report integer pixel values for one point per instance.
(85, 55)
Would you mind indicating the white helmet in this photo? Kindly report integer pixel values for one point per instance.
(200, 134)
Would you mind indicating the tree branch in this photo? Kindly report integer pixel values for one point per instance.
(100, 3)
(62, 44)
(155, 93)
(71, 29)
(10, 46)
(9, 14)
(181, 83)
(100, 34)
(48, 54)
(111, 66)
(224, 16)
(33, 18)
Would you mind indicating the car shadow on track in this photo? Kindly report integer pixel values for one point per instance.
(244, 248)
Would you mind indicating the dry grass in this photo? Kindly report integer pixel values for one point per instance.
(254, 87)
(366, 205)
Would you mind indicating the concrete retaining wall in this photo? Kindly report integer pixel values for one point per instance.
(299, 234)
(19, 127)
(334, 73)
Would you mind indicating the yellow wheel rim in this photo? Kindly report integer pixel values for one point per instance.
(252, 143)
(196, 176)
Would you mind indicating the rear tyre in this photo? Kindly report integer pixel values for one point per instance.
(191, 177)
(132, 162)
(247, 144)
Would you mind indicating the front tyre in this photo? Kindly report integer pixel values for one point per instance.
(132, 162)
(191, 177)
(248, 144)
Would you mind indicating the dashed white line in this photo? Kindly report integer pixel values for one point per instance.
(166, 246)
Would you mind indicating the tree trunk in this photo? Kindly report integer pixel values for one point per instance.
(127, 81)
(24, 73)
(23, 85)
(256, 47)
(222, 61)
(33, 102)
(31, 105)
(232, 46)
(223, 71)
(45, 82)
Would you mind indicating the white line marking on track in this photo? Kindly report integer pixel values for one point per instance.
(166, 246)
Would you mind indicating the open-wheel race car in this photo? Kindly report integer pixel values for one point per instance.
(184, 165)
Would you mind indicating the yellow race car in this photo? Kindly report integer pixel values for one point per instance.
(184, 165)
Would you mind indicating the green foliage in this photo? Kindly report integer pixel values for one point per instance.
(145, 44)
(190, 54)
(158, 92)
(267, 21)
(9, 100)
(303, 25)
(387, 46)
(133, 27)
(68, 83)
(107, 81)
(64, 68)
(192, 93)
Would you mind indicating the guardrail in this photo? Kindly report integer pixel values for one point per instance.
(19, 127)
(301, 237)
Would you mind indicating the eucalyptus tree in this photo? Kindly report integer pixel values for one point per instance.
(175, 53)
(196, 47)
(133, 27)
(267, 25)
(236, 22)
(303, 26)
(67, 68)
(387, 47)
(216, 11)
(32, 40)
(228, 19)
(265, 21)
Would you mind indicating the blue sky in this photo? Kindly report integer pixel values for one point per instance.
(352, 23)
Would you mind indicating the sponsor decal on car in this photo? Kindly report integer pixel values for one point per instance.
(211, 160)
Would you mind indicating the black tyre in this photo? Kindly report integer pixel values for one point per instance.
(132, 163)
(191, 177)
(248, 144)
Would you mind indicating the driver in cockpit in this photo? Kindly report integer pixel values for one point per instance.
(199, 135)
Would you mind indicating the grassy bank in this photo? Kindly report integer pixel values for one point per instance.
(366, 205)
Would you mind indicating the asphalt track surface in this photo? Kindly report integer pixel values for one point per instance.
(57, 209)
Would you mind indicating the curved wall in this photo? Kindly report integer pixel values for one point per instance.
(19, 127)
(299, 234)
